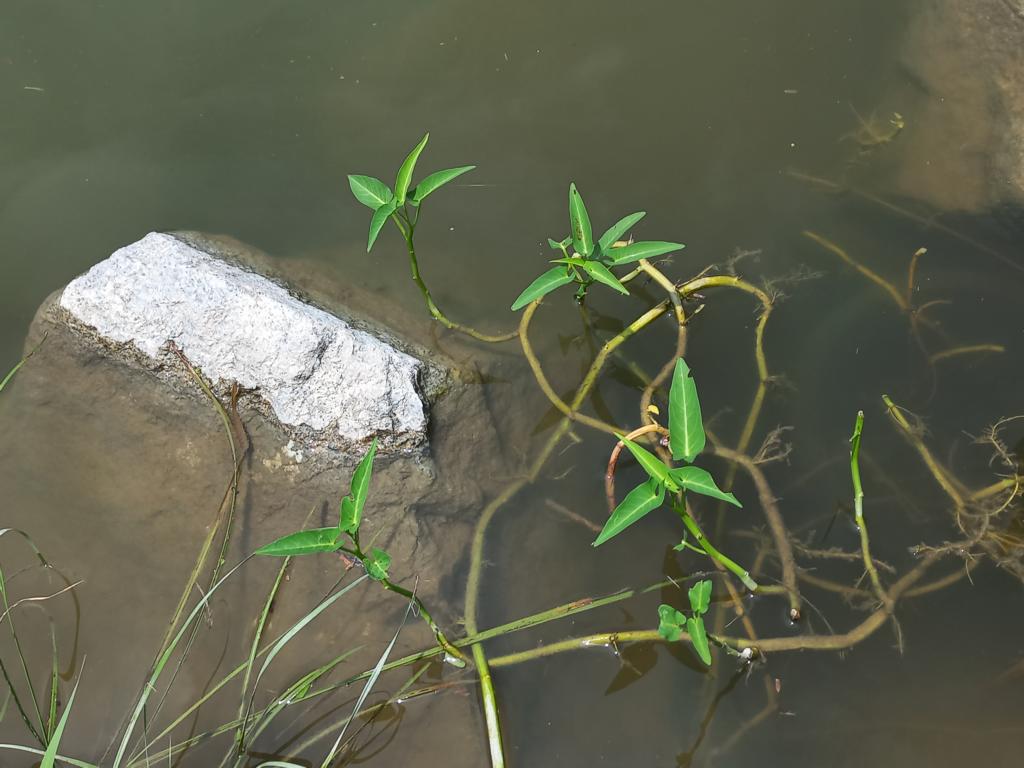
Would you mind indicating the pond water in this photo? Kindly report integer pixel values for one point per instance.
(244, 117)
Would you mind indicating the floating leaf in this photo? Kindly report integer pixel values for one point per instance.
(549, 281)
(670, 623)
(582, 236)
(700, 597)
(371, 192)
(685, 430)
(627, 254)
(699, 638)
(652, 465)
(617, 230)
(352, 505)
(600, 273)
(377, 221)
(643, 499)
(435, 180)
(303, 543)
(700, 481)
(377, 564)
(405, 172)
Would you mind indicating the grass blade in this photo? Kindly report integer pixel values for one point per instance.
(371, 681)
(287, 636)
(50, 755)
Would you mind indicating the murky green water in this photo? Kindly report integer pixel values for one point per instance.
(244, 117)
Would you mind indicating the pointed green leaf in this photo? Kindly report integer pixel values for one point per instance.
(576, 261)
(435, 180)
(685, 429)
(643, 499)
(352, 505)
(371, 192)
(699, 480)
(377, 564)
(303, 543)
(559, 246)
(377, 221)
(549, 281)
(700, 597)
(652, 465)
(50, 755)
(670, 623)
(627, 254)
(618, 229)
(600, 273)
(699, 638)
(405, 172)
(582, 236)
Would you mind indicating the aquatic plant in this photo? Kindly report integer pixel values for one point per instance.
(665, 454)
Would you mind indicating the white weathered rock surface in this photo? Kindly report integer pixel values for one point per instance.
(315, 370)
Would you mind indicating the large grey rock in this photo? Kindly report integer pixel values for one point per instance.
(316, 371)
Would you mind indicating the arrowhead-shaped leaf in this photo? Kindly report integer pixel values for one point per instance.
(377, 564)
(600, 273)
(698, 480)
(549, 281)
(303, 543)
(352, 505)
(617, 230)
(699, 638)
(652, 465)
(700, 597)
(404, 177)
(670, 623)
(685, 429)
(435, 180)
(627, 254)
(645, 498)
(582, 235)
(380, 216)
(371, 192)
(559, 246)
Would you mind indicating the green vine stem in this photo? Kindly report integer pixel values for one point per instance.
(858, 509)
(709, 548)
(408, 230)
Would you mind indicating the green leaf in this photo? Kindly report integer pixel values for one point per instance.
(582, 236)
(377, 221)
(685, 430)
(559, 246)
(627, 254)
(351, 512)
(600, 273)
(576, 261)
(371, 192)
(652, 465)
(549, 281)
(303, 543)
(670, 623)
(618, 229)
(700, 597)
(643, 499)
(50, 755)
(699, 638)
(377, 564)
(699, 480)
(435, 180)
(405, 172)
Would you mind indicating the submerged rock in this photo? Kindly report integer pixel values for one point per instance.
(326, 381)
(964, 146)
